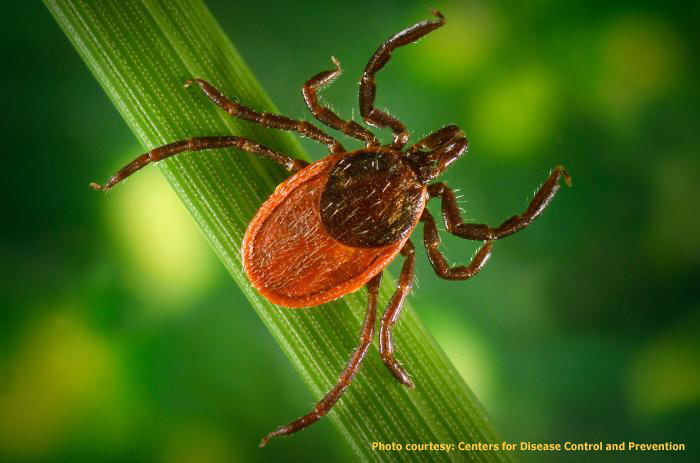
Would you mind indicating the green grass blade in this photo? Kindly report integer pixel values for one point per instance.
(141, 52)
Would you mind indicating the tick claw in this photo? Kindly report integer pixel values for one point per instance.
(336, 62)
(398, 371)
(406, 380)
(408, 383)
(187, 83)
(560, 170)
(98, 187)
(264, 441)
(438, 15)
(565, 174)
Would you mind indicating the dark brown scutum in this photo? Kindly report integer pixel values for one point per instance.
(346, 377)
(372, 199)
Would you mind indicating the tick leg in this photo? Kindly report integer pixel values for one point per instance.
(198, 144)
(325, 404)
(392, 312)
(265, 119)
(431, 240)
(327, 116)
(368, 87)
(480, 232)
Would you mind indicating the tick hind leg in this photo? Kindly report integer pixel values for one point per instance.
(368, 86)
(345, 378)
(392, 312)
(198, 144)
(327, 116)
(480, 232)
(265, 119)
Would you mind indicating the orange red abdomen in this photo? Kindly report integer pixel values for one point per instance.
(291, 259)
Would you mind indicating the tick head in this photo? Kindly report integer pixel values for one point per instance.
(431, 156)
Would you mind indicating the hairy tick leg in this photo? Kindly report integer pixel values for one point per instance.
(431, 240)
(199, 144)
(274, 121)
(346, 377)
(480, 232)
(327, 116)
(392, 312)
(368, 86)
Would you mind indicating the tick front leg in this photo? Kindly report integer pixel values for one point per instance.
(392, 312)
(480, 232)
(265, 119)
(431, 239)
(325, 404)
(327, 116)
(368, 86)
(198, 144)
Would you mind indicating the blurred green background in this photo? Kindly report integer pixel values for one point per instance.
(582, 328)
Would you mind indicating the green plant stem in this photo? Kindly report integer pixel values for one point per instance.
(141, 52)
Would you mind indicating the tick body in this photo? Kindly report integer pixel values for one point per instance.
(330, 228)
(334, 225)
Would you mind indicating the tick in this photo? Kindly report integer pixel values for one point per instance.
(334, 225)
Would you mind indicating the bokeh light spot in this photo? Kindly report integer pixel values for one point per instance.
(640, 59)
(469, 353)
(458, 50)
(60, 370)
(665, 374)
(514, 114)
(673, 217)
(170, 259)
(195, 443)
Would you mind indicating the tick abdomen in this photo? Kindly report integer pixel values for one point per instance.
(289, 256)
(372, 198)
